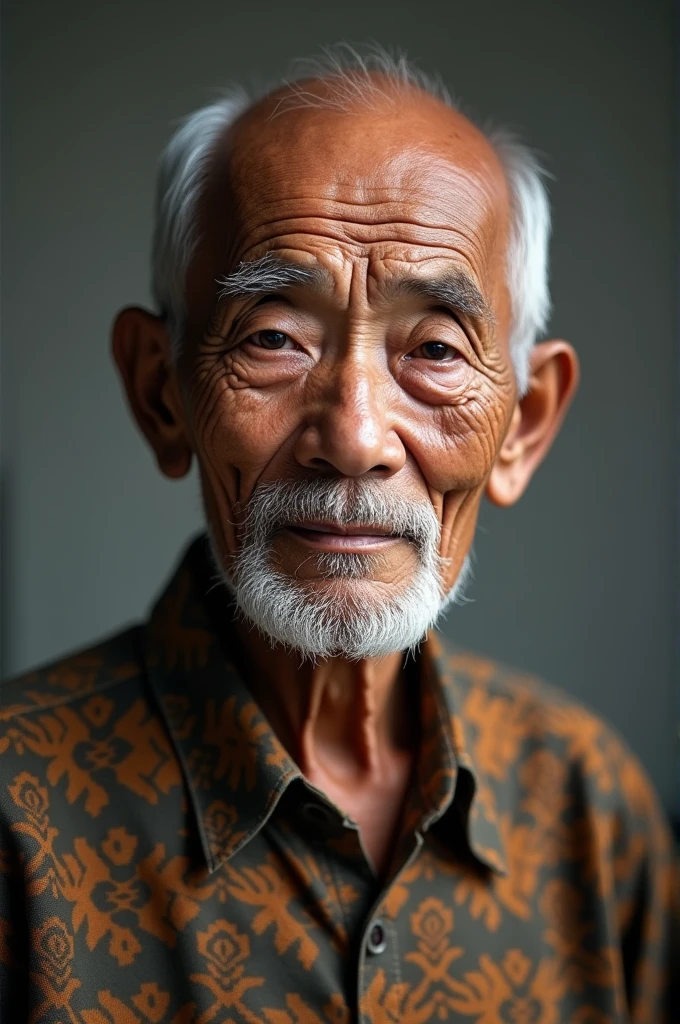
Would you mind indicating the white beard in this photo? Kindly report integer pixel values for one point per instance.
(351, 614)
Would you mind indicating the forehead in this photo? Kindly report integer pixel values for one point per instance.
(405, 180)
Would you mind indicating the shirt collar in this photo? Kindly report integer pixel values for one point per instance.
(477, 795)
(235, 766)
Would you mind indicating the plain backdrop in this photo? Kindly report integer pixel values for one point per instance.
(577, 582)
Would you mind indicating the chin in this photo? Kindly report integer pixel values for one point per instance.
(350, 617)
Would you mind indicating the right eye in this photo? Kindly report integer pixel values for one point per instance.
(271, 340)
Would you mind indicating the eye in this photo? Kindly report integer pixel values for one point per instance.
(435, 350)
(270, 339)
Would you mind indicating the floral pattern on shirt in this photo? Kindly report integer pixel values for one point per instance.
(163, 860)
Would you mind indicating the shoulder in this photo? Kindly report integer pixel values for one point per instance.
(509, 695)
(518, 725)
(83, 673)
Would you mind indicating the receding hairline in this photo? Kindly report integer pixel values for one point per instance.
(245, 135)
(297, 98)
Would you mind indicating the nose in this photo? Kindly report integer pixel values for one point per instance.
(350, 430)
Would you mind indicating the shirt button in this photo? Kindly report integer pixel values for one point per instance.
(376, 941)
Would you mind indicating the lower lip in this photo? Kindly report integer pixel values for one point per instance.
(347, 542)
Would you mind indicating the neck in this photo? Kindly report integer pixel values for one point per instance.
(339, 719)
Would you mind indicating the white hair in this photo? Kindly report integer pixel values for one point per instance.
(349, 81)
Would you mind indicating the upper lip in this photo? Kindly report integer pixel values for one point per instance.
(353, 530)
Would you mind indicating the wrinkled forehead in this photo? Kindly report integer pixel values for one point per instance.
(412, 159)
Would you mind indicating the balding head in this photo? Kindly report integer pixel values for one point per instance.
(373, 89)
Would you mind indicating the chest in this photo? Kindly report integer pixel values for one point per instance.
(294, 929)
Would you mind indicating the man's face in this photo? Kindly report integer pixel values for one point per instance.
(390, 363)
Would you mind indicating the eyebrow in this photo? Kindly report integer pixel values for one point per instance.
(270, 273)
(454, 289)
(273, 273)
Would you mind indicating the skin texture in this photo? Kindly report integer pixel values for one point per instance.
(371, 197)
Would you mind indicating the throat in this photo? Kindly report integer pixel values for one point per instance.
(355, 717)
(358, 746)
(352, 727)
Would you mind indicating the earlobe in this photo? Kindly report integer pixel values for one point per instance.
(535, 421)
(141, 350)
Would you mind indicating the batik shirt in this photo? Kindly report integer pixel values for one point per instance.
(164, 861)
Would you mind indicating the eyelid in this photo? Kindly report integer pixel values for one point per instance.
(448, 311)
(271, 297)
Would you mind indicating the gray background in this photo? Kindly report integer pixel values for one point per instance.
(576, 583)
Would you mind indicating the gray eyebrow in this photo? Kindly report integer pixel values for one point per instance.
(270, 273)
(453, 289)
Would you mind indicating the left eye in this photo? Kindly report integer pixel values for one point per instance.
(436, 350)
(269, 339)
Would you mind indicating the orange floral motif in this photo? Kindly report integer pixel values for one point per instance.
(53, 949)
(400, 889)
(54, 946)
(511, 993)
(111, 1011)
(501, 723)
(225, 951)
(268, 888)
(383, 1005)
(516, 966)
(431, 925)
(174, 887)
(589, 744)
(76, 674)
(334, 1012)
(525, 852)
(30, 796)
(482, 903)
(135, 748)
(235, 734)
(219, 820)
(98, 710)
(544, 777)
(41, 869)
(119, 846)
(98, 899)
(152, 1003)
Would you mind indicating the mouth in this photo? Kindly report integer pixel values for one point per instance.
(339, 537)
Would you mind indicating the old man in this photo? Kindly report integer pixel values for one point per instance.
(283, 799)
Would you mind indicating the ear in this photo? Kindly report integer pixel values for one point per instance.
(141, 349)
(536, 419)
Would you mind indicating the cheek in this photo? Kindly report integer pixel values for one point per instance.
(456, 454)
(459, 519)
(238, 430)
(457, 445)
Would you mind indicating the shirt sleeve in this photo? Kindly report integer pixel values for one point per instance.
(645, 870)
